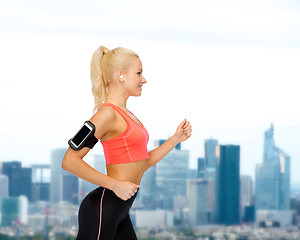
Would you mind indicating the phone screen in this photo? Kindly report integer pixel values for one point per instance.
(81, 135)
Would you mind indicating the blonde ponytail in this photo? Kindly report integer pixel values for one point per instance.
(98, 84)
(104, 63)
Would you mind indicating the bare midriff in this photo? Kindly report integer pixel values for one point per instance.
(132, 172)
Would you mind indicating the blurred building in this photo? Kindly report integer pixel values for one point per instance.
(201, 170)
(210, 158)
(210, 152)
(171, 175)
(272, 189)
(249, 213)
(246, 193)
(13, 210)
(99, 163)
(228, 185)
(274, 218)
(198, 197)
(7, 171)
(40, 182)
(20, 179)
(154, 218)
(180, 207)
(3, 186)
(8, 166)
(193, 173)
(84, 188)
(70, 188)
(149, 191)
(44, 216)
(57, 173)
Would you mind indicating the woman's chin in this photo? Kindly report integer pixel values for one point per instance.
(137, 94)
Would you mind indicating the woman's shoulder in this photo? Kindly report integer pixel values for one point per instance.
(103, 120)
(104, 113)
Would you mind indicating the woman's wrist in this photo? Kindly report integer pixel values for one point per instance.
(113, 183)
(175, 140)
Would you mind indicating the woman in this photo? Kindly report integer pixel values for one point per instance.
(104, 213)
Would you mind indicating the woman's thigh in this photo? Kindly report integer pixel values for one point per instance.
(100, 214)
(125, 230)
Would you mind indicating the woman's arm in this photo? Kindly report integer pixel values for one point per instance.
(183, 132)
(73, 160)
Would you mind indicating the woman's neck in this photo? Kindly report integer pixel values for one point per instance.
(120, 101)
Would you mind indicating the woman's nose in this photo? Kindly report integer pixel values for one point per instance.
(144, 80)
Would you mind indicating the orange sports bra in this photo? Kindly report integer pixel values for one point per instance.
(130, 146)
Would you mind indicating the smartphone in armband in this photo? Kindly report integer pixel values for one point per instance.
(84, 137)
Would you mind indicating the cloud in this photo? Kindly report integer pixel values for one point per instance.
(204, 22)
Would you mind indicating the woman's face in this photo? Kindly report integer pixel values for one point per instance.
(134, 77)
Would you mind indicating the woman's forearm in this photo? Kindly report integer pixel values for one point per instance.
(81, 169)
(160, 152)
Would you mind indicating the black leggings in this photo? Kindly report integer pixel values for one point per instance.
(104, 216)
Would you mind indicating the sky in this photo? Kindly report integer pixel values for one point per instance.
(230, 67)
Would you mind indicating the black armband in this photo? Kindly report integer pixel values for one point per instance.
(84, 137)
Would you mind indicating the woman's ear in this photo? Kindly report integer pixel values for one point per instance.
(119, 76)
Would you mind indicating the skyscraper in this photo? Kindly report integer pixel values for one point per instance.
(272, 188)
(210, 152)
(172, 174)
(13, 209)
(198, 202)
(246, 192)
(20, 182)
(40, 182)
(70, 189)
(228, 185)
(57, 172)
(201, 170)
(7, 171)
(207, 170)
(149, 192)
(97, 162)
(3, 186)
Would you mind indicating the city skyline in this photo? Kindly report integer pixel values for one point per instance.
(172, 195)
(193, 159)
(208, 157)
(216, 193)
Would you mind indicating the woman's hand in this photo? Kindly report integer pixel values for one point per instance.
(184, 131)
(125, 190)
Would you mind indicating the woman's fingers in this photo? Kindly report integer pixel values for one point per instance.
(187, 128)
(126, 190)
(182, 124)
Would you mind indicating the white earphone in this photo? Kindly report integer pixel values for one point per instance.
(121, 76)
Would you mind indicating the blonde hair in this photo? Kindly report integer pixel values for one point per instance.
(103, 65)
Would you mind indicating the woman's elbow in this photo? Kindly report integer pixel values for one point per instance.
(65, 162)
(71, 160)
